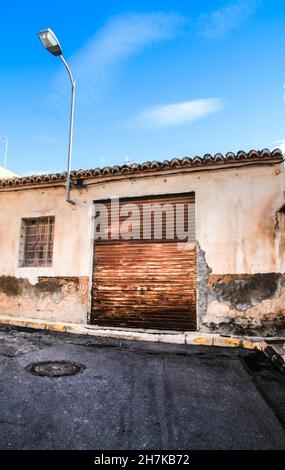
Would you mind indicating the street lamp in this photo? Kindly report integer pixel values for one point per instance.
(51, 43)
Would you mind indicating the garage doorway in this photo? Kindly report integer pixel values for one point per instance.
(144, 275)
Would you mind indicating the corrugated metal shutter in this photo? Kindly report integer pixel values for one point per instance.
(183, 208)
(147, 283)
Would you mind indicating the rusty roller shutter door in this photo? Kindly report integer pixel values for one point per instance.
(145, 283)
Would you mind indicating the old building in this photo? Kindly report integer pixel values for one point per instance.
(225, 275)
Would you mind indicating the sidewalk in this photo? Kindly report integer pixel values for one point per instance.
(156, 336)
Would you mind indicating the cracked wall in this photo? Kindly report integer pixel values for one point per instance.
(51, 298)
(241, 304)
(203, 272)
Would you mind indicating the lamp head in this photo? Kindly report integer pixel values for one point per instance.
(50, 41)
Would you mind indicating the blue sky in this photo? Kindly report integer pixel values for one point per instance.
(155, 79)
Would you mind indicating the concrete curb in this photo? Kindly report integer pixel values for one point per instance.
(156, 336)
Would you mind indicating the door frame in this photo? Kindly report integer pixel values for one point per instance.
(90, 319)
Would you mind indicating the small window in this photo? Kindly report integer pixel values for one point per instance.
(36, 243)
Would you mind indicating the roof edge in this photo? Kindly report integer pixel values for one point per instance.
(258, 156)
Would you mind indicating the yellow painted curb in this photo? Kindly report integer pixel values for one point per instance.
(227, 342)
(246, 344)
(203, 341)
(156, 337)
(37, 326)
(15, 322)
(59, 328)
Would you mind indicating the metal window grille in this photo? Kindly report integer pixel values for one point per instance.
(36, 244)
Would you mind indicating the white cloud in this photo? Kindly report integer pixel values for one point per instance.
(227, 18)
(122, 37)
(179, 113)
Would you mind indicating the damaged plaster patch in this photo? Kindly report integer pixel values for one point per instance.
(12, 286)
(243, 291)
(241, 304)
(245, 304)
(51, 298)
(203, 272)
(265, 319)
(51, 285)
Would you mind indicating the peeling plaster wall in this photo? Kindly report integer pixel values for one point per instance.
(246, 304)
(46, 298)
(235, 228)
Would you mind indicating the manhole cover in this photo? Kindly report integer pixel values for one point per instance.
(55, 368)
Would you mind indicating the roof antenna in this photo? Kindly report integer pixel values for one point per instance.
(4, 140)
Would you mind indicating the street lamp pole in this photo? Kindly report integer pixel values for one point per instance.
(51, 43)
(69, 160)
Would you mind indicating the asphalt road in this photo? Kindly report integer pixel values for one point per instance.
(137, 396)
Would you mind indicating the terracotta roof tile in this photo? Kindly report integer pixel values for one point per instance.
(186, 162)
